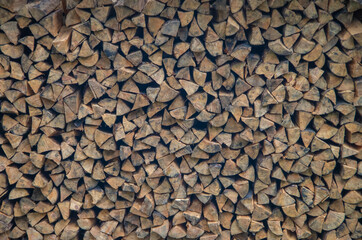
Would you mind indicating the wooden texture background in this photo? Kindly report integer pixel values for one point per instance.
(180, 119)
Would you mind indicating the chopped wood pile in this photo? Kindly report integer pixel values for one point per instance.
(180, 119)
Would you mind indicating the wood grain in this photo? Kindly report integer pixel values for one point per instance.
(180, 119)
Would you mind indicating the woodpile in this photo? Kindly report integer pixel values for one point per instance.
(180, 119)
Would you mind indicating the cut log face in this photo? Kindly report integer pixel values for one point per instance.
(180, 119)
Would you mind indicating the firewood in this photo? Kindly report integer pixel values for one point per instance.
(155, 119)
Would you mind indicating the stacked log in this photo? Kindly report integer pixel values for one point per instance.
(180, 119)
